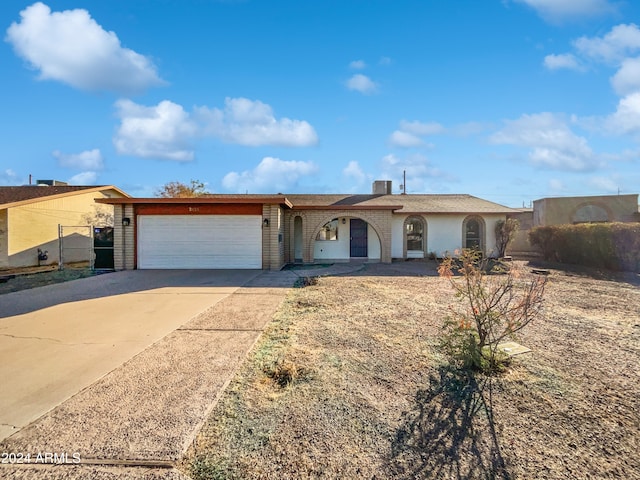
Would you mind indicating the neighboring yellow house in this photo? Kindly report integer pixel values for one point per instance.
(30, 215)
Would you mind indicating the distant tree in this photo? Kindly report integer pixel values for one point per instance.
(195, 188)
(102, 216)
(505, 233)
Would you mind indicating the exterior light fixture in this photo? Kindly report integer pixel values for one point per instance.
(344, 220)
(265, 222)
(126, 221)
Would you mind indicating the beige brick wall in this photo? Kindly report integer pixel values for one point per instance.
(313, 221)
(273, 240)
(124, 245)
(4, 259)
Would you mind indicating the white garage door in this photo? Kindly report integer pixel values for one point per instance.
(199, 241)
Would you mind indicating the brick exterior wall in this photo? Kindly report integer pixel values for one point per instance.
(4, 238)
(273, 255)
(124, 241)
(279, 238)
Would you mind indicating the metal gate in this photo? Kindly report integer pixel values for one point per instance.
(103, 248)
(85, 246)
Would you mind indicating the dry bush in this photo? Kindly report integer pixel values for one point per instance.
(491, 308)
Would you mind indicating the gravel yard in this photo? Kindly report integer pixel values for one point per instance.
(348, 382)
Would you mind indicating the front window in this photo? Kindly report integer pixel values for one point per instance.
(472, 233)
(329, 231)
(414, 235)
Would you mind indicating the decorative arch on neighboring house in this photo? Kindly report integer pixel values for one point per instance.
(348, 214)
(591, 212)
(474, 233)
(414, 235)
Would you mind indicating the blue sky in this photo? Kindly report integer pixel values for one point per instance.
(508, 100)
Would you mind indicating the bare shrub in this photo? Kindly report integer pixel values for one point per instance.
(491, 308)
(505, 231)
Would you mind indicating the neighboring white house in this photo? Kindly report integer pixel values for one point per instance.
(269, 231)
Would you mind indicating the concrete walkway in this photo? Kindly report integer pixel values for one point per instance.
(137, 418)
(58, 339)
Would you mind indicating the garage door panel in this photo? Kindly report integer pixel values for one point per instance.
(199, 241)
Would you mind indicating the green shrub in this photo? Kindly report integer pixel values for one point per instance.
(615, 246)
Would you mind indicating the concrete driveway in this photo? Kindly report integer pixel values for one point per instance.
(59, 339)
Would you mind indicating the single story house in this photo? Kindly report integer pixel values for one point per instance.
(30, 215)
(571, 210)
(270, 231)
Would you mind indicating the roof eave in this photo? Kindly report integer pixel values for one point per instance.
(61, 195)
(466, 212)
(347, 207)
(202, 200)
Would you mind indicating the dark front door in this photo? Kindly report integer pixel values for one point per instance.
(358, 238)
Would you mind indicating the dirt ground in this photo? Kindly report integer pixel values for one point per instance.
(348, 382)
(14, 280)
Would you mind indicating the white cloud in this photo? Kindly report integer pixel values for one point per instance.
(385, 61)
(556, 186)
(627, 78)
(604, 184)
(362, 83)
(551, 141)
(87, 160)
(626, 118)
(70, 47)
(620, 42)
(271, 175)
(419, 171)
(162, 132)
(355, 172)
(405, 139)
(357, 65)
(556, 11)
(252, 123)
(10, 177)
(410, 132)
(422, 128)
(83, 178)
(166, 131)
(566, 60)
(470, 128)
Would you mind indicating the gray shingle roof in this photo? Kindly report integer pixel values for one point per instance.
(32, 192)
(426, 203)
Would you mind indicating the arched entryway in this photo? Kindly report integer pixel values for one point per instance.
(345, 237)
(415, 237)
